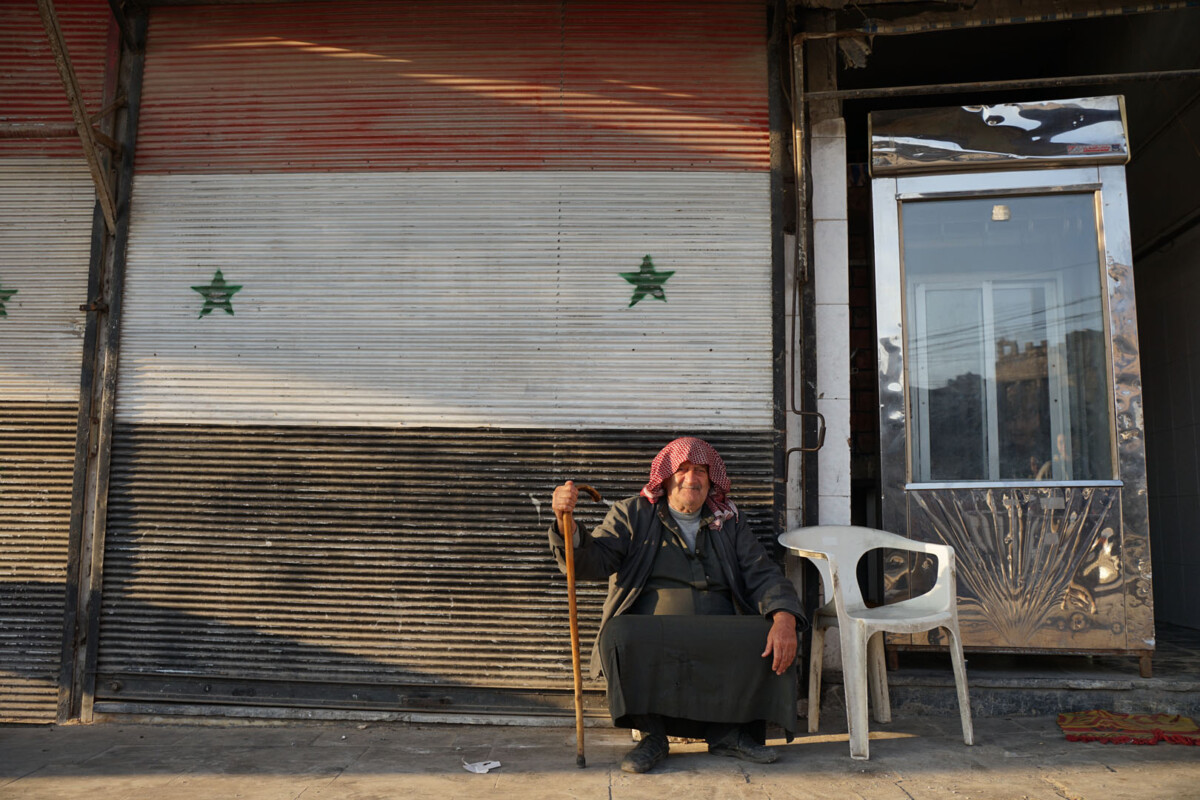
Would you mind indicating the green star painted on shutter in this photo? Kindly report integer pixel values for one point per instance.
(5, 295)
(647, 281)
(217, 294)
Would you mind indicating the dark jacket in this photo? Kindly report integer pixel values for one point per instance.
(623, 548)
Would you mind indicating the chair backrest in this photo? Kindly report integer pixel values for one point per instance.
(843, 547)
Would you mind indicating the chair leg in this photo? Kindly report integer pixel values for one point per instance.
(877, 675)
(854, 673)
(960, 683)
(815, 660)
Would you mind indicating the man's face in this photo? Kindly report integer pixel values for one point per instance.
(687, 489)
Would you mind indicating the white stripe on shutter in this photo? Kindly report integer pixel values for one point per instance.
(450, 299)
(45, 244)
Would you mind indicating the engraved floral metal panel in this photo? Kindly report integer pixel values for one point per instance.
(1037, 568)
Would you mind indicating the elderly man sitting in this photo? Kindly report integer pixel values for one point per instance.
(699, 630)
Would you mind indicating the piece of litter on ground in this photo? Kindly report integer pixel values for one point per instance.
(480, 766)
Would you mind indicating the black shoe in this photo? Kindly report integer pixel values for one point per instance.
(739, 745)
(649, 753)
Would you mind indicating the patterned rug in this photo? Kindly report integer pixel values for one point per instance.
(1105, 726)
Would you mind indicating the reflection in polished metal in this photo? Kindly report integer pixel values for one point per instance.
(1127, 400)
(1002, 136)
(1036, 568)
(1041, 484)
(1009, 382)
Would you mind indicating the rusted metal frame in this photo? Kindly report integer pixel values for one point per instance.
(128, 36)
(71, 642)
(110, 107)
(998, 86)
(83, 124)
(98, 381)
(97, 269)
(34, 130)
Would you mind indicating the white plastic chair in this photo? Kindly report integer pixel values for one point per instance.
(836, 551)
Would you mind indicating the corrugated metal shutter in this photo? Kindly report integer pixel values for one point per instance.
(37, 450)
(45, 238)
(45, 243)
(29, 81)
(377, 306)
(475, 84)
(357, 567)
(46, 205)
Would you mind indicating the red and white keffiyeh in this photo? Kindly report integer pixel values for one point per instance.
(697, 451)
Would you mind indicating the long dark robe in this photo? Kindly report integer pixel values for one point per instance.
(684, 655)
(693, 671)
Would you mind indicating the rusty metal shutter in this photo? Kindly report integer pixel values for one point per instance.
(37, 449)
(46, 210)
(378, 302)
(29, 80)
(474, 84)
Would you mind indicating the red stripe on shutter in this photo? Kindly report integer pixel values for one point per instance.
(659, 84)
(30, 85)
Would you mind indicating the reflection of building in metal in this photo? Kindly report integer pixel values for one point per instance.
(1031, 567)
(1089, 453)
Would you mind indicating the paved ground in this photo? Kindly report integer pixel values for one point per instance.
(911, 759)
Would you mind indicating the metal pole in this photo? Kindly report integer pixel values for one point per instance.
(97, 404)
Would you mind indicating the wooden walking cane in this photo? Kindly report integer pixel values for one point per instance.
(566, 526)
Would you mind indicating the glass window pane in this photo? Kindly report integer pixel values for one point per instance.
(1023, 397)
(1005, 339)
(952, 322)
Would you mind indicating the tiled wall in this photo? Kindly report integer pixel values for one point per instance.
(832, 286)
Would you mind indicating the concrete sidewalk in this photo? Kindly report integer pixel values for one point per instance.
(911, 759)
